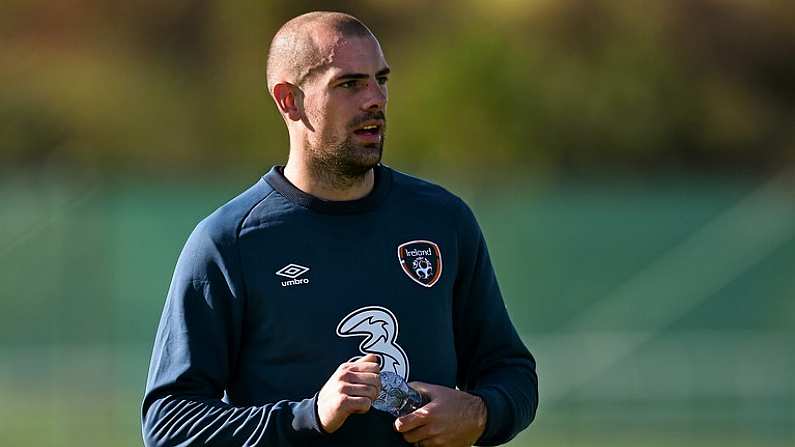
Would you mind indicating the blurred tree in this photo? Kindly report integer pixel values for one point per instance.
(178, 86)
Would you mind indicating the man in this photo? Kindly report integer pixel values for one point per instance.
(288, 302)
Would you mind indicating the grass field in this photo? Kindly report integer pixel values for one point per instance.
(661, 313)
(86, 417)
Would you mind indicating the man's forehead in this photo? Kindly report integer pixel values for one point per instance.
(354, 54)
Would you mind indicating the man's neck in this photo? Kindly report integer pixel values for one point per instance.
(326, 188)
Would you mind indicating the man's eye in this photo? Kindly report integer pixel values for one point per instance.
(382, 80)
(348, 84)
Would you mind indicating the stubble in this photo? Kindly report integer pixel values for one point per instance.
(342, 164)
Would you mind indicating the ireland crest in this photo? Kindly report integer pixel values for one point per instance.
(421, 260)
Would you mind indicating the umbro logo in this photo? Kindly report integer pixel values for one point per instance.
(293, 271)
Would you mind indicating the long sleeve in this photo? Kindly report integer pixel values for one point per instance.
(195, 350)
(493, 362)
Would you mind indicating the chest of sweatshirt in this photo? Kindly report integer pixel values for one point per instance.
(323, 289)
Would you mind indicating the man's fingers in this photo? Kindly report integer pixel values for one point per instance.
(365, 378)
(420, 434)
(368, 363)
(353, 404)
(411, 421)
(364, 367)
(359, 390)
(368, 358)
(425, 389)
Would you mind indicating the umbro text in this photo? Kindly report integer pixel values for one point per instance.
(295, 282)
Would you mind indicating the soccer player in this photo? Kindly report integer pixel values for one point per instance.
(289, 303)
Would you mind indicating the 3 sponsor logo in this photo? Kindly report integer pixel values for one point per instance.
(379, 328)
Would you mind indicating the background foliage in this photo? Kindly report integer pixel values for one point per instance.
(179, 85)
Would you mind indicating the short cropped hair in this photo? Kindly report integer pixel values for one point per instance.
(295, 52)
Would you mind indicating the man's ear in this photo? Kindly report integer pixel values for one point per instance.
(289, 100)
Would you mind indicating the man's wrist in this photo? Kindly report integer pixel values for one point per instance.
(320, 427)
(481, 414)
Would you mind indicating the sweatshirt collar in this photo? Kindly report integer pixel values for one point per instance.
(381, 185)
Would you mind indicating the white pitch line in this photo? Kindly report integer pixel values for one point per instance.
(48, 221)
(675, 283)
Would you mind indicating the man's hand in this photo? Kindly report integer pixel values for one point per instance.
(351, 389)
(451, 418)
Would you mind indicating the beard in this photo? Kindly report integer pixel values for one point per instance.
(344, 163)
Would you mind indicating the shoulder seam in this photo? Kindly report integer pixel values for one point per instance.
(249, 213)
(244, 287)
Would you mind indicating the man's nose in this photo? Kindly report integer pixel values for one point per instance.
(376, 98)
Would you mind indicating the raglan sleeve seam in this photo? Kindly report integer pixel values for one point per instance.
(236, 243)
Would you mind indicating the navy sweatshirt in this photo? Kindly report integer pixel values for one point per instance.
(277, 288)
